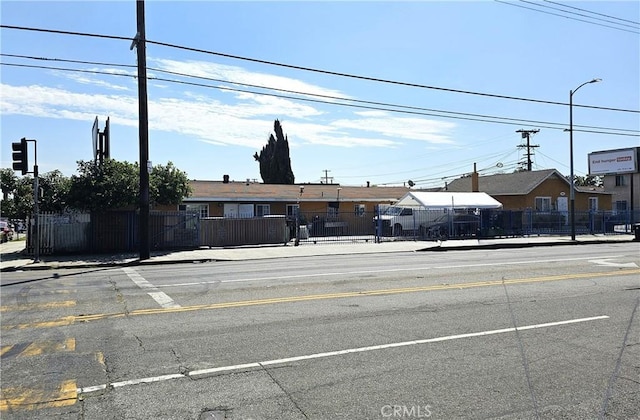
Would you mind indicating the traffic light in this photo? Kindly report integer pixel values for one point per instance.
(20, 157)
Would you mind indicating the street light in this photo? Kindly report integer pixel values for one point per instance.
(572, 193)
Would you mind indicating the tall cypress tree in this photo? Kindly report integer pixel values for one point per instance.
(274, 160)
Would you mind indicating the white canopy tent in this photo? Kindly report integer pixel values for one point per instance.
(448, 200)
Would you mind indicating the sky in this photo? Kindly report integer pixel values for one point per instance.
(381, 92)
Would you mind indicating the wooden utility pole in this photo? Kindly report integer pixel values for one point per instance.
(526, 134)
(145, 164)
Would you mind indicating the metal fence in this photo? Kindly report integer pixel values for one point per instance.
(111, 232)
(439, 225)
(108, 232)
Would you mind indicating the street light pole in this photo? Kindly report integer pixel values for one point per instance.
(572, 193)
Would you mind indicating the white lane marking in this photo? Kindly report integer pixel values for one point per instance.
(390, 270)
(252, 365)
(607, 263)
(159, 296)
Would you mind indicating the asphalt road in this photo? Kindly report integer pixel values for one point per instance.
(402, 335)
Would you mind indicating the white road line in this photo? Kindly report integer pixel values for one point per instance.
(390, 270)
(159, 296)
(254, 365)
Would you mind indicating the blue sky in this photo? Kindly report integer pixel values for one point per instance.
(482, 47)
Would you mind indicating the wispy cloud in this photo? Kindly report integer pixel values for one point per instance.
(221, 117)
(234, 74)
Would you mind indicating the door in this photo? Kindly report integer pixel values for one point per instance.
(563, 206)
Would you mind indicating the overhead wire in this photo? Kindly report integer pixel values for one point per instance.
(566, 17)
(382, 106)
(579, 14)
(589, 11)
(321, 71)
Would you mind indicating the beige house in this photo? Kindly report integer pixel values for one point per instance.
(545, 190)
(252, 199)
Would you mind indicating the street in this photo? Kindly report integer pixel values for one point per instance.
(544, 332)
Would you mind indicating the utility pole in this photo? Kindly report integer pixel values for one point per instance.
(526, 134)
(327, 177)
(145, 165)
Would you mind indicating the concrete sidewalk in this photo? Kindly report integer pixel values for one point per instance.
(13, 257)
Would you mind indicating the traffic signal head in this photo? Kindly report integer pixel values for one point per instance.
(20, 158)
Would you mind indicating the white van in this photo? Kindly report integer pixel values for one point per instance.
(397, 221)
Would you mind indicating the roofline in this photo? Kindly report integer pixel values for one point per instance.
(285, 200)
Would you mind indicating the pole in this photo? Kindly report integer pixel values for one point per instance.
(572, 193)
(36, 215)
(143, 133)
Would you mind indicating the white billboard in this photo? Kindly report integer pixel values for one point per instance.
(613, 162)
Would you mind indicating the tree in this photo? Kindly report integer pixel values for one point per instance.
(54, 191)
(115, 185)
(168, 185)
(17, 195)
(103, 186)
(275, 163)
(587, 181)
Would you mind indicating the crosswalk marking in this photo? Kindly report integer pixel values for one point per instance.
(37, 348)
(161, 297)
(29, 398)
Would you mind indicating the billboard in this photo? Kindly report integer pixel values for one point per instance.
(620, 161)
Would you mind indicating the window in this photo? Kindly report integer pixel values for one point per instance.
(263, 210)
(359, 210)
(620, 181)
(292, 209)
(621, 206)
(593, 203)
(201, 209)
(332, 211)
(543, 204)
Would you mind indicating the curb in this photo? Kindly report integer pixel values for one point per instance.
(518, 245)
(438, 248)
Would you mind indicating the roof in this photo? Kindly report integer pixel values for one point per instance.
(516, 183)
(233, 191)
(475, 200)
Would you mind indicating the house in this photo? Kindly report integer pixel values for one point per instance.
(545, 190)
(251, 199)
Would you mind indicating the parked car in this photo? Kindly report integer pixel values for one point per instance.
(452, 226)
(6, 231)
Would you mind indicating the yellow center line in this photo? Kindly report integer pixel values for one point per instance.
(69, 320)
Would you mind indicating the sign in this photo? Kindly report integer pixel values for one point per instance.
(94, 138)
(613, 162)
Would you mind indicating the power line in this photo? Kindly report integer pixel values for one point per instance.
(566, 17)
(496, 120)
(328, 72)
(373, 79)
(294, 92)
(589, 11)
(579, 14)
(561, 125)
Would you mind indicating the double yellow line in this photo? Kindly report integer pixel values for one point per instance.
(69, 320)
